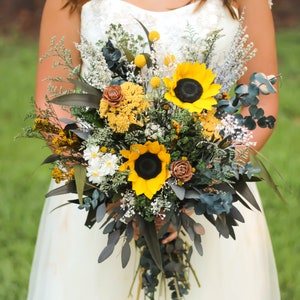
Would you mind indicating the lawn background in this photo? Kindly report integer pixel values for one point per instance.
(23, 182)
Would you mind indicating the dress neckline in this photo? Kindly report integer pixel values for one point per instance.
(188, 6)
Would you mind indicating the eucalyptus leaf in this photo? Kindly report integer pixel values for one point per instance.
(199, 229)
(129, 232)
(256, 112)
(109, 227)
(241, 89)
(198, 245)
(125, 254)
(263, 83)
(100, 213)
(113, 237)
(249, 123)
(188, 225)
(178, 190)
(106, 253)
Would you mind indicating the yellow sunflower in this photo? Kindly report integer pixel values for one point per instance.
(192, 87)
(148, 167)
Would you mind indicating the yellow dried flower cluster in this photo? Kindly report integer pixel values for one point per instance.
(209, 123)
(60, 175)
(62, 142)
(129, 111)
(44, 125)
(176, 126)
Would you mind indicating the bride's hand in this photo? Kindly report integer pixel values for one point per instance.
(159, 223)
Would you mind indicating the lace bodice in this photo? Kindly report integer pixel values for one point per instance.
(97, 15)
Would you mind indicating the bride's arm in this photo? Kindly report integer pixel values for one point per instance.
(260, 27)
(58, 22)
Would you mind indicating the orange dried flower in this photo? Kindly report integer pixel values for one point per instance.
(113, 95)
(182, 170)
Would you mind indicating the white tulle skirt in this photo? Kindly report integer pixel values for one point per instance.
(65, 263)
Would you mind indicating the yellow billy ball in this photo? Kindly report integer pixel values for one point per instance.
(153, 36)
(140, 61)
(155, 82)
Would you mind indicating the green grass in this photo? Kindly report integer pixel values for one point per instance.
(283, 151)
(23, 182)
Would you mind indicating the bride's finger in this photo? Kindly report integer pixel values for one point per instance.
(172, 236)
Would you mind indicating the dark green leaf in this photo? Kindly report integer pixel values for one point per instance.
(235, 213)
(65, 189)
(242, 188)
(86, 100)
(149, 232)
(266, 176)
(86, 87)
(50, 159)
(222, 226)
(174, 267)
(147, 34)
(192, 194)
(81, 134)
(210, 218)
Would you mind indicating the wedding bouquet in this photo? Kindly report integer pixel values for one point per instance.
(155, 140)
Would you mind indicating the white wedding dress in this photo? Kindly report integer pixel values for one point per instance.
(65, 264)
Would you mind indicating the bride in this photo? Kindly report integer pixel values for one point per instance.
(65, 263)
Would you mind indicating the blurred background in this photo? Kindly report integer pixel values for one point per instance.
(23, 181)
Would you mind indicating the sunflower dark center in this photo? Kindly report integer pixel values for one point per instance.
(188, 90)
(148, 166)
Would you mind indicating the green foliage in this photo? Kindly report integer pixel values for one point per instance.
(23, 182)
